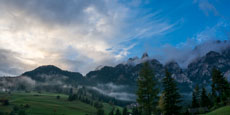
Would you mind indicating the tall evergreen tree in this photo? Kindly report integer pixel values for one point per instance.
(196, 97)
(111, 112)
(135, 111)
(205, 101)
(161, 102)
(100, 112)
(118, 112)
(170, 96)
(147, 94)
(220, 87)
(125, 111)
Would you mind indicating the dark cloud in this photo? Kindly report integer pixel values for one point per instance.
(184, 56)
(10, 64)
(54, 11)
(41, 32)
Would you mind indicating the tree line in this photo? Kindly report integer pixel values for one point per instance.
(152, 100)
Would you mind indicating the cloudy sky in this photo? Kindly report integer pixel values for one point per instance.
(80, 35)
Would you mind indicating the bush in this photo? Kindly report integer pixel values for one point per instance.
(27, 106)
(22, 112)
(72, 97)
(100, 112)
(58, 97)
(15, 108)
(2, 113)
(19, 110)
(5, 102)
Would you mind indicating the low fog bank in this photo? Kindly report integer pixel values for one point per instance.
(24, 83)
(117, 91)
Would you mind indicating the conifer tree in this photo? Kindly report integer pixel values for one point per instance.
(196, 97)
(118, 112)
(147, 94)
(125, 111)
(111, 112)
(205, 101)
(135, 111)
(161, 102)
(220, 87)
(170, 96)
(100, 112)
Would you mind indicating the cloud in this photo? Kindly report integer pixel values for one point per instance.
(210, 39)
(10, 64)
(78, 35)
(207, 7)
(116, 91)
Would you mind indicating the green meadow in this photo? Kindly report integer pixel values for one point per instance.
(48, 104)
(220, 111)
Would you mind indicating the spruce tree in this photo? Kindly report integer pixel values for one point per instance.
(118, 112)
(161, 102)
(100, 112)
(205, 101)
(125, 111)
(196, 97)
(111, 112)
(220, 87)
(147, 93)
(170, 96)
(135, 111)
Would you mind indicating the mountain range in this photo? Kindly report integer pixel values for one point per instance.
(123, 77)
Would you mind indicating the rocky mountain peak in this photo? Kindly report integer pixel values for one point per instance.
(212, 54)
(133, 59)
(145, 55)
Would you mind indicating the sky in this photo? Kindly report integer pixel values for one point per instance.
(80, 35)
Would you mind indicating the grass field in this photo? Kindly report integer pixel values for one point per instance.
(221, 111)
(47, 104)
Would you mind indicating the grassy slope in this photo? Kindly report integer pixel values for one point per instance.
(46, 104)
(221, 111)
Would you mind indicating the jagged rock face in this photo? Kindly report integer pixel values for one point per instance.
(173, 67)
(177, 73)
(125, 74)
(183, 82)
(200, 70)
(145, 55)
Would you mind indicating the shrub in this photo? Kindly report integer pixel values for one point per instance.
(5, 102)
(58, 97)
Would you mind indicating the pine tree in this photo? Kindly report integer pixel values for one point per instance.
(196, 97)
(100, 112)
(125, 111)
(220, 87)
(111, 112)
(147, 94)
(135, 111)
(161, 102)
(118, 112)
(170, 96)
(205, 101)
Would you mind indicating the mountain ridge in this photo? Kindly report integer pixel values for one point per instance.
(125, 74)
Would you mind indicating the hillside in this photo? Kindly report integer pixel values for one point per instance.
(41, 74)
(220, 111)
(47, 104)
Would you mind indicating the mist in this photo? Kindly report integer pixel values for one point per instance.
(117, 91)
(188, 53)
